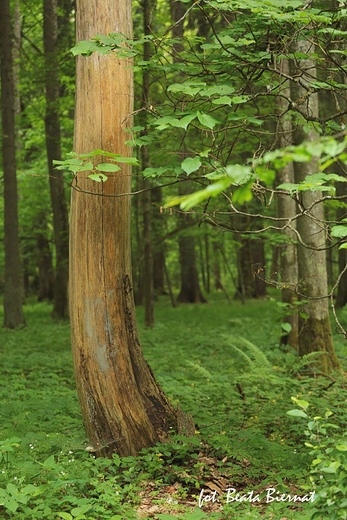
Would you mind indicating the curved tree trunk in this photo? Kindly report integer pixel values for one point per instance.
(123, 407)
(13, 293)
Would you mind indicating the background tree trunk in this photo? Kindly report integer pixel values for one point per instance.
(190, 291)
(147, 213)
(13, 291)
(123, 408)
(56, 183)
(45, 268)
(286, 209)
(315, 329)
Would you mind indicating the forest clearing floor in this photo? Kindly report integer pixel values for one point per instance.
(219, 361)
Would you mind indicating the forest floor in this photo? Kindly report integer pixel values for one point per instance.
(219, 361)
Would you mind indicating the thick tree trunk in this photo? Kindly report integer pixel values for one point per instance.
(13, 292)
(123, 407)
(286, 209)
(56, 183)
(315, 329)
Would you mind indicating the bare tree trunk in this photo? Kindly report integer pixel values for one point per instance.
(123, 407)
(286, 209)
(13, 292)
(315, 329)
(56, 184)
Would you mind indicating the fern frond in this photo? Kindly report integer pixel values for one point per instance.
(200, 369)
(260, 359)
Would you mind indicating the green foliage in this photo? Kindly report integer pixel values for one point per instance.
(246, 440)
(329, 462)
(86, 162)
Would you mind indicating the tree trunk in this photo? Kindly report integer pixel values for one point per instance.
(146, 196)
(341, 295)
(315, 329)
(286, 209)
(13, 291)
(56, 183)
(45, 268)
(159, 248)
(250, 261)
(190, 291)
(123, 407)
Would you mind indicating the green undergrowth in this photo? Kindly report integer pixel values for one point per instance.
(221, 362)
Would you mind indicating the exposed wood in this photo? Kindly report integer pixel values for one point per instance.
(123, 407)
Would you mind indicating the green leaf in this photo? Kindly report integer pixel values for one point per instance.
(207, 120)
(297, 413)
(239, 174)
(185, 121)
(65, 516)
(155, 172)
(237, 100)
(85, 48)
(191, 88)
(224, 100)
(332, 468)
(286, 327)
(187, 202)
(243, 194)
(301, 402)
(107, 167)
(191, 164)
(339, 232)
(98, 177)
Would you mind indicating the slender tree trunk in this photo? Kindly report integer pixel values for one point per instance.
(45, 268)
(146, 197)
(286, 209)
(190, 291)
(159, 248)
(123, 407)
(341, 295)
(315, 329)
(56, 184)
(13, 292)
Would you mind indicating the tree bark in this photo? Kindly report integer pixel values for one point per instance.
(190, 291)
(53, 147)
(146, 197)
(314, 329)
(123, 407)
(45, 269)
(286, 209)
(13, 291)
